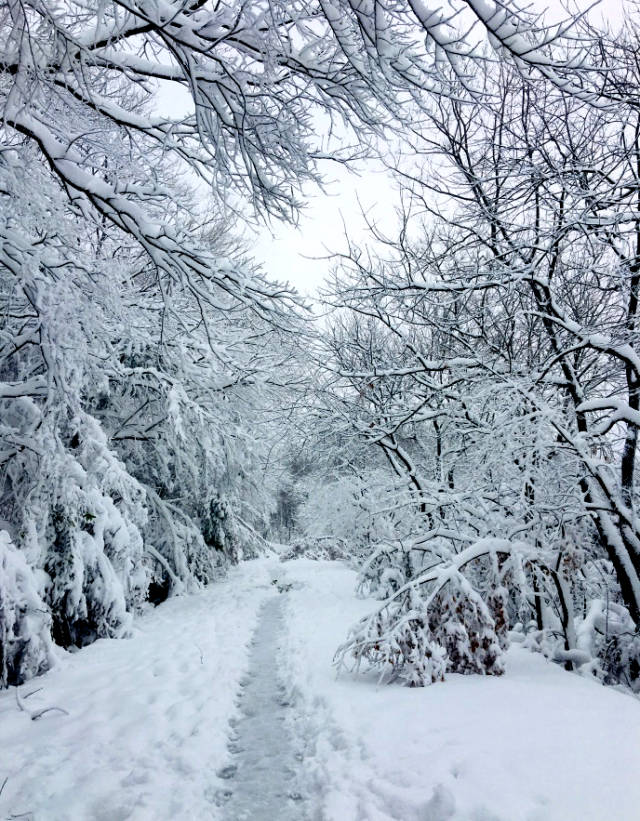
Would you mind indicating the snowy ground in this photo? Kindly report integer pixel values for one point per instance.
(148, 717)
(537, 744)
(225, 706)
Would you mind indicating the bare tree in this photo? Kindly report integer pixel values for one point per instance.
(515, 325)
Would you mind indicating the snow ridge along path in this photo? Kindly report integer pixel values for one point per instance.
(262, 782)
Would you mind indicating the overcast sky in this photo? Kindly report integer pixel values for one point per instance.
(294, 253)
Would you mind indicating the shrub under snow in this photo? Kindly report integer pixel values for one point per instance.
(435, 624)
(25, 642)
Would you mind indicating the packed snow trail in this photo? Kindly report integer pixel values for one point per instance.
(262, 782)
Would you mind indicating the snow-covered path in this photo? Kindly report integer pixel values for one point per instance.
(225, 704)
(262, 778)
(148, 717)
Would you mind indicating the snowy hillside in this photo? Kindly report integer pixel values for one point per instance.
(178, 723)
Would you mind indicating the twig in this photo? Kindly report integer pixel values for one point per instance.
(32, 693)
(38, 713)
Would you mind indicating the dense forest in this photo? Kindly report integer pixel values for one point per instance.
(462, 421)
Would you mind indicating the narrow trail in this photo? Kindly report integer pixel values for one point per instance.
(262, 777)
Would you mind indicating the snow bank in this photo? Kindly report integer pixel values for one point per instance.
(537, 744)
(147, 724)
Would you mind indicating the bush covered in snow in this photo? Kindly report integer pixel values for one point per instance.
(456, 614)
(25, 640)
(437, 623)
(328, 548)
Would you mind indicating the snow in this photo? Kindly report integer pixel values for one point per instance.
(538, 744)
(261, 778)
(148, 716)
(186, 720)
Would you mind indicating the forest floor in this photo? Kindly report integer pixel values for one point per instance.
(224, 705)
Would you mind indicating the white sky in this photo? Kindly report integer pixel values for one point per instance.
(297, 254)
